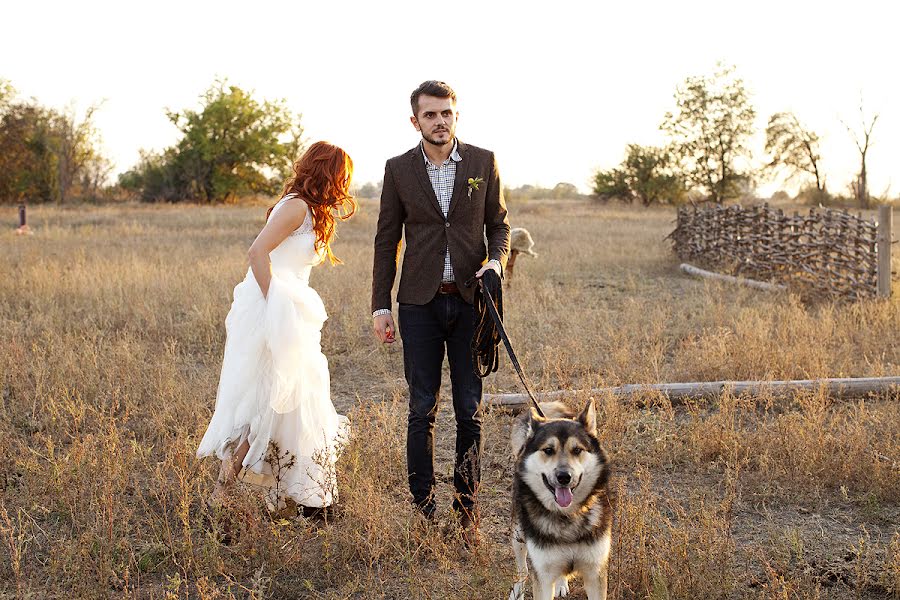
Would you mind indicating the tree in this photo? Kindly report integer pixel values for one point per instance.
(611, 184)
(234, 145)
(646, 175)
(45, 154)
(95, 176)
(153, 178)
(564, 190)
(370, 189)
(863, 142)
(7, 93)
(75, 145)
(709, 129)
(793, 146)
(27, 163)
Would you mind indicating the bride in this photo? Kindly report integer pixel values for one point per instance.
(274, 415)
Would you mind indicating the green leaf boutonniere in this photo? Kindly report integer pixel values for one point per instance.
(474, 182)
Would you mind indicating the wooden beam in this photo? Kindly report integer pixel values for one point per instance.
(883, 241)
(837, 388)
(760, 285)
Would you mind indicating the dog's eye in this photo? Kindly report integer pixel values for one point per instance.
(548, 451)
(576, 450)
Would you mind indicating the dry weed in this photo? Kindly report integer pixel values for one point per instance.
(112, 334)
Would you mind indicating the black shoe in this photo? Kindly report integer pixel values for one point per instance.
(426, 509)
(468, 523)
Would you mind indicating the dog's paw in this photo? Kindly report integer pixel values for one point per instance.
(561, 588)
(518, 591)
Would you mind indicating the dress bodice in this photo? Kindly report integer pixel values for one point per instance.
(296, 255)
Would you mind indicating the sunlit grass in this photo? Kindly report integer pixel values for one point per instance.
(112, 334)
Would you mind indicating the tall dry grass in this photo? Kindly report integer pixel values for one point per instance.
(112, 333)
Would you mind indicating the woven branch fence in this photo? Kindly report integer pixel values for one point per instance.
(825, 254)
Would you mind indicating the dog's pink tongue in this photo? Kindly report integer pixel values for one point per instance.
(563, 496)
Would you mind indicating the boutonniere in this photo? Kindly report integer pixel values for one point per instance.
(474, 182)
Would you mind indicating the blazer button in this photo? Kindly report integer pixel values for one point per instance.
(446, 223)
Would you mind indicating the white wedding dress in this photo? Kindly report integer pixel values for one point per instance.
(274, 390)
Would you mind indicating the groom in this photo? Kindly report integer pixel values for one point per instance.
(445, 197)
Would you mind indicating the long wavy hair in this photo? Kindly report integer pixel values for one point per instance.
(322, 179)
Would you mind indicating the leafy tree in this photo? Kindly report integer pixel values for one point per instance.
(7, 93)
(793, 146)
(563, 190)
(153, 178)
(94, 176)
(709, 129)
(45, 155)
(370, 189)
(75, 145)
(233, 145)
(28, 167)
(612, 184)
(646, 175)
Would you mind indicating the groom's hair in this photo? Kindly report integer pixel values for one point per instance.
(438, 89)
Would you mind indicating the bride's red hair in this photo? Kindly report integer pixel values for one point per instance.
(322, 178)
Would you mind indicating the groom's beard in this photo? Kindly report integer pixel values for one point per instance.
(435, 142)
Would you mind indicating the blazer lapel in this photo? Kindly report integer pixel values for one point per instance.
(460, 187)
(417, 164)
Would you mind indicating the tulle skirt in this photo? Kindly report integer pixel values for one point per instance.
(274, 392)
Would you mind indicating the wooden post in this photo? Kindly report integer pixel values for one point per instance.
(22, 229)
(885, 216)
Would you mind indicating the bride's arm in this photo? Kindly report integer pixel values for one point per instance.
(280, 225)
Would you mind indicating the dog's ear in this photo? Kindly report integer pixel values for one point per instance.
(588, 418)
(534, 421)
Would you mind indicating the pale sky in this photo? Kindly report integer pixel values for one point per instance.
(556, 89)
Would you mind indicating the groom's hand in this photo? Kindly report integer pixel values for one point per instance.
(493, 265)
(384, 328)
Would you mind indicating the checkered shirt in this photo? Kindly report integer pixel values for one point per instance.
(442, 182)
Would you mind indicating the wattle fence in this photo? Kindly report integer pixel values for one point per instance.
(824, 254)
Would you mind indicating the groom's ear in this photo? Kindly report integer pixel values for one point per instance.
(415, 122)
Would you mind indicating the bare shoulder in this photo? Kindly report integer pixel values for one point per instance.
(291, 212)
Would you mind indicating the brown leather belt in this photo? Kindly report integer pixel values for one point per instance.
(448, 287)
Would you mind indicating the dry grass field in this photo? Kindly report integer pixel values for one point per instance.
(111, 335)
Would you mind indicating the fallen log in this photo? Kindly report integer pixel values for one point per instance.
(840, 388)
(759, 285)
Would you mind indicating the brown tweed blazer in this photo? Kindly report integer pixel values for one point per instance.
(410, 208)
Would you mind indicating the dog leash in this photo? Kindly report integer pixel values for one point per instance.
(498, 322)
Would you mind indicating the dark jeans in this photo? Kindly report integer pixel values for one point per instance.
(447, 321)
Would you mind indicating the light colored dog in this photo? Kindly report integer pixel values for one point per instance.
(520, 242)
(562, 514)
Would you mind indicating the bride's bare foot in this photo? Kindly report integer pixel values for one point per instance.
(216, 500)
(218, 516)
(228, 472)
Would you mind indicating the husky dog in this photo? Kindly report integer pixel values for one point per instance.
(562, 514)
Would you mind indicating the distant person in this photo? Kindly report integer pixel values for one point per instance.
(273, 412)
(445, 196)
